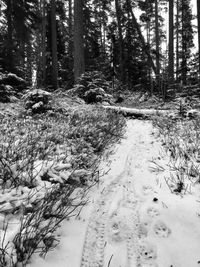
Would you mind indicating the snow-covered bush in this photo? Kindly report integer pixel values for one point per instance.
(13, 80)
(37, 101)
(43, 161)
(181, 140)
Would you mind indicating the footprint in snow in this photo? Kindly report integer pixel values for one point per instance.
(148, 252)
(147, 189)
(117, 231)
(161, 229)
(152, 212)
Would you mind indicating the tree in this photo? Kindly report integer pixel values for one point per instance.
(171, 41)
(141, 37)
(54, 45)
(79, 60)
(118, 14)
(198, 19)
(187, 38)
(44, 22)
(157, 44)
(177, 39)
(9, 35)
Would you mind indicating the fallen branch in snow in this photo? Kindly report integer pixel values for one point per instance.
(148, 113)
(139, 113)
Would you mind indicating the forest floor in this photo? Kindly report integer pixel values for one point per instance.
(133, 217)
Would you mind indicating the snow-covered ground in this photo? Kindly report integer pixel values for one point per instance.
(132, 218)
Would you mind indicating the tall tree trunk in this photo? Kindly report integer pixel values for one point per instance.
(54, 45)
(171, 41)
(141, 37)
(177, 39)
(9, 36)
(70, 35)
(79, 61)
(148, 45)
(44, 22)
(29, 61)
(118, 13)
(184, 49)
(198, 18)
(157, 44)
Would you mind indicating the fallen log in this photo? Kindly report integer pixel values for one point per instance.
(147, 113)
(140, 113)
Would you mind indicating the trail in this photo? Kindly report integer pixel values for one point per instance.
(114, 234)
(132, 219)
(111, 236)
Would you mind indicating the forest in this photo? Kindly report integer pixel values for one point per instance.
(99, 133)
(149, 44)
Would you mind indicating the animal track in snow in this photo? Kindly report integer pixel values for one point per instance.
(152, 212)
(147, 189)
(148, 252)
(161, 229)
(116, 231)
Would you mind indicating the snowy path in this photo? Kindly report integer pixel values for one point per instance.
(132, 219)
(111, 236)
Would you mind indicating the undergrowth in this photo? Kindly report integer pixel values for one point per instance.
(181, 142)
(47, 165)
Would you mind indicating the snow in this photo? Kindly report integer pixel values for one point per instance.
(132, 218)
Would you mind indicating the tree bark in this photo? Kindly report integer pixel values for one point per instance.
(9, 36)
(177, 39)
(118, 13)
(79, 61)
(157, 45)
(70, 35)
(198, 18)
(141, 37)
(54, 45)
(44, 22)
(184, 49)
(171, 41)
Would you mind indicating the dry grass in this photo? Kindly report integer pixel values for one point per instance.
(181, 143)
(43, 160)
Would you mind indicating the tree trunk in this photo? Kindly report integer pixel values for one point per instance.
(44, 22)
(79, 61)
(198, 18)
(144, 46)
(177, 39)
(70, 35)
(29, 61)
(118, 13)
(157, 45)
(54, 45)
(171, 41)
(9, 36)
(184, 49)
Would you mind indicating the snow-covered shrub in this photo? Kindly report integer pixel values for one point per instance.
(7, 93)
(181, 140)
(93, 88)
(13, 80)
(37, 101)
(42, 161)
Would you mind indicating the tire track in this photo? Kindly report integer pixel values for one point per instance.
(113, 223)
